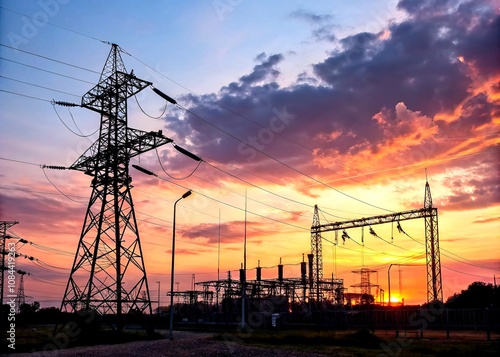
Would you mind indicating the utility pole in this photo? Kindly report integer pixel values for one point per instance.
(109, 252)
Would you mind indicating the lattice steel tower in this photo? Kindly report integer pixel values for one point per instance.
(365, 285)
(21, 297)
(109, 253)
(317, 251)
(434, 281)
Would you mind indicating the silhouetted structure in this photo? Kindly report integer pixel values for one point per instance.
(109, 251)
(430, 215)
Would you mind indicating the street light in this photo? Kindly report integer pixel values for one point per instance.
(172, 269)
(186, 194)
(158, 282)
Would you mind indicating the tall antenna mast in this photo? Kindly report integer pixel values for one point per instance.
(108, 272)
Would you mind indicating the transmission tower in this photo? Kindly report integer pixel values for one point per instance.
(109, 253)
(365, 285)
(4, 226)
(316, 250)
(21, 298)
(434, 281)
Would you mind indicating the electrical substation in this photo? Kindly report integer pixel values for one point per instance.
(305, 297)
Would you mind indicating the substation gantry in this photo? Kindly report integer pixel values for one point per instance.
(433, 256)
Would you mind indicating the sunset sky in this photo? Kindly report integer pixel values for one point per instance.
(289, 103)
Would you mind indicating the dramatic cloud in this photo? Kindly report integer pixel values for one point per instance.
(230, 232)
(389, 99)
(49, 215)
(322, 23)
(479, 188)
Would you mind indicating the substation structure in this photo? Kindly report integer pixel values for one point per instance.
(311, 292)
(279, 295)
(433, 256)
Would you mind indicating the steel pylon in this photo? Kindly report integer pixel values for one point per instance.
(433, 256)
(317, 251)
(108, 272)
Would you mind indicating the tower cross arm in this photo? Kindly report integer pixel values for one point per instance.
(370, 221)
(89, 160)
(137, 142)
(141, 141)
(98, 98)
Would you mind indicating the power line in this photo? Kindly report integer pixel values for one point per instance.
(54, 25)
(302, 228)
(26, 96)
(202, 194)
(471, 263)
(464, 273)
(19, 161)
(253, 185)
(318, 181)
(141, 109)
(40, 246)
(258, 187)
(235, 207)
(50, 59)
(279, 161)
(81, 135)
(62, 193)
(234, 137)
(198, 211)
(38, 86)
(246, 118)
(45, 70)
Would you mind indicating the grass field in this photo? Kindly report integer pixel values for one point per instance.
(362, 343)
(38, 337)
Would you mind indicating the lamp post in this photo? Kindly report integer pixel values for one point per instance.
(171, 336)
(158, 282)
(186, 194)
(389, 283)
